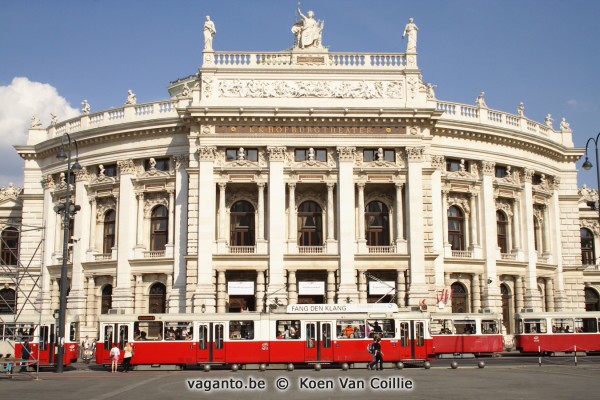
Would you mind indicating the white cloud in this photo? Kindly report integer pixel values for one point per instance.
(19, 101)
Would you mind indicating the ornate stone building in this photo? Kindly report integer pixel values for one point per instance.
(308, 176)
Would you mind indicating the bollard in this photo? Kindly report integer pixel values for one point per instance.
(427, 364)
(234, 367)
(481, 364)
(207, 368)
(345, 366)
(290, 367)
(399, 365)
(262, 367)
(454, 364)
(317, 367)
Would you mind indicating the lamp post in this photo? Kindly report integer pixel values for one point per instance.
(68, 210)
(587, 165)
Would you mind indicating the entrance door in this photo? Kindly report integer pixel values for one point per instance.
(318, 344)
(211, 344)
(506, 300)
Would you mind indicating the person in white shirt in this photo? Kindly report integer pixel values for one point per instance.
(114, 355)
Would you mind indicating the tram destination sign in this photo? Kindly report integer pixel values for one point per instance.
(340, 308)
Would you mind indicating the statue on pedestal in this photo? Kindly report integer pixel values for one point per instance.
(308, 31)
(410, 30)
(209, 34)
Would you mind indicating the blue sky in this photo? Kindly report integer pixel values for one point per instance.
(542, 52)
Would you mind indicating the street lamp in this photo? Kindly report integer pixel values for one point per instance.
(587, 165)
(68, 210)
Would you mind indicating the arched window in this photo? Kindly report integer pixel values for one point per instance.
(242, 224)
(459, 298)
(109, 231)
(592, 300)
(159, 228)
(8, 301)
(10, 246)
(106, 299)
(588, 253)
(506, 302)
(377, 224)
(310, 224)
(536, 234)
(456, 228)
(158, 299)
(502, 231)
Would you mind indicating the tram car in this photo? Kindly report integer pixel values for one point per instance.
(301, 334)
(466, 334)
(558, 332)
(40, 333)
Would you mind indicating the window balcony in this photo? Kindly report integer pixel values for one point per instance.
(381, 249)
(508, 256)
(311, 249)
(591, 267)
(242, 249)
(462, 254)
(154, 254)
(103, 257)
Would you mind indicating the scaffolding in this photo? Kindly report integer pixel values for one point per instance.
(21, 315)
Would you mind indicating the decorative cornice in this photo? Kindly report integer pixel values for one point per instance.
(276, 153)
(207, 153)
(346, 153)
(126, 167)
(415, 153)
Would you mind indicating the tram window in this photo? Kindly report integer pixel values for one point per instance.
(108, 336)
(537, 325)
(465, 327)
(349, 329)
(562, 325)
(178, 331)
(74, 332)
(585, 325)
(43, 337)
(326, 334)
(441, 327)
(241, 330)
(123, 335)
(25, 332)
(1, 331)
(202, 336)
(219, 335)
(419, 334)
(310, 335)
(383, 327)
(288, 329)
(489, 326)
(404, 334)
(148, 330)
(10, 331)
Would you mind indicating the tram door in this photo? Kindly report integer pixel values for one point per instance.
(317, 341)
(412, 340)
(211, 344)
(47, 346)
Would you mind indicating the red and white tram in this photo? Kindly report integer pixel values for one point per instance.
(304, 334)
(476, 334)
(558, 332)
(41, 335)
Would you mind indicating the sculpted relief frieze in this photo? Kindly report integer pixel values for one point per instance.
(321, 89)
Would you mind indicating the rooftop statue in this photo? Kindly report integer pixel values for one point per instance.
(131, 98)
(85, 107)
(480, 101)
(35, 122)
(548, 120)
(308, 31)
(209, 34)
(520, 109)
(564, 125)
(410, 30)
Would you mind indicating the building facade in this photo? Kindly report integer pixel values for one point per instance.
(307, 176)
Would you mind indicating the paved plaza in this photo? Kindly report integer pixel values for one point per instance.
(555, 379)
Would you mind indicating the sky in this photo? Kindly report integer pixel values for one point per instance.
(54, 54)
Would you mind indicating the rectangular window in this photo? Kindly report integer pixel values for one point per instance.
(586, 325)
(241, 330)
(535, 325)
(453, 165)
(501, 171)
(350, 329)
(465, 327)
(148, 330)
(241, 154)
(536, 179)
(308, 155)
(441, 327)
(385, 328)
(404, 334)
(110, 170)
(489, 327)
(178, 330)
(562, 325)
(161, 164)
(289, 329)
(370, 155)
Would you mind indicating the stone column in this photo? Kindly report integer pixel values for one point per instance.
(330, 287)
(93, 226)
(438, 211)
(400, 288)
(346, 229)
(221, 292)
(177, 299)
(222, 212)
(205, 291)
(547, 226)
(550, 295)
(362, 286)
(81, 234)
(292, 287)
(91, 307)
(561, 297)
(448, 287)
(50, 235)
(139, 293)
(292, 225)
(277, 241)
(519, 293)
(418, 286)
(171, 229)
(261, 211)
(361, 212)
(492, 298)
(122, 295)
(476, 293)
(532, 296)
(55, 292)
(331, 242)
(140, 220)
(399, 216)
(447, 246)
(516, 225)
(473, 220)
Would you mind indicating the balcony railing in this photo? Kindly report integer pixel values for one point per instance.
(508, 256)
(154, 254)
(381, 249)
(591, 267)
(242, 249)
(103, 257)
(310, 249)
(462, 254)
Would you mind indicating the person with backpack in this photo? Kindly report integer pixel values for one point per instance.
(371, 350)
(377, 354)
